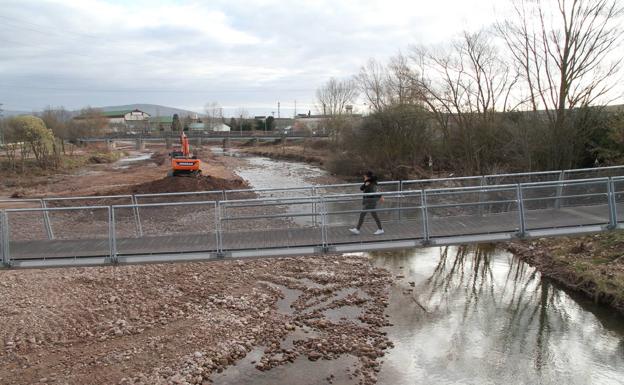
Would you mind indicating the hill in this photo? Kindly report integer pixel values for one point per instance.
(152, 109)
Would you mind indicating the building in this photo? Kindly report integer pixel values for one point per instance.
(134, 119)
(160, 123)
(317, 124)
(196, 126)
(220, 127)
(124, 119)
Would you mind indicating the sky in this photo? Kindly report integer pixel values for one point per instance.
(241, 54)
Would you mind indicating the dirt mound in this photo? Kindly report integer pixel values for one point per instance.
(172, 184)
(159, 158)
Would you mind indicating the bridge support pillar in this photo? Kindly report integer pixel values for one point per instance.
(226, 143)
(140, 144)
(168, 143)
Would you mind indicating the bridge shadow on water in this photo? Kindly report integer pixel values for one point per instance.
(478, 313)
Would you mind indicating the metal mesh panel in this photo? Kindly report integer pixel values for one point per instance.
(618, 197)
(294, 192)
(88, 201)
(547, 176)
(598, 172)
(166, 228)
(474, 211)
(566, 205)
(80, 232)
(428, 184)
(270, 223)
(200, 196)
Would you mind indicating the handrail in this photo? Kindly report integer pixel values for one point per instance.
(398, 182)
(323, 208)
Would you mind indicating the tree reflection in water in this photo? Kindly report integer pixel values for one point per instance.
(481, 299)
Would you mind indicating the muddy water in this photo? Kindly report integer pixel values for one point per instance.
(463, 316)
(264, 173)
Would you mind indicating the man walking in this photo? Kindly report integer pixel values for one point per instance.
(369, 203)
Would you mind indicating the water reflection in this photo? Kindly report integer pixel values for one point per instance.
(479, 315)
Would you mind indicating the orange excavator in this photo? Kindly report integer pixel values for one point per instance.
(182, 162)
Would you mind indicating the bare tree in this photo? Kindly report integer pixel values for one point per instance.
(335, 95)
(388, 85)
(401, 87)
(57, 119)
(566, 52)
(372, 81)
(464, 86)
(214, 115)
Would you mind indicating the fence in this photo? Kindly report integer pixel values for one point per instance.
(270, 225)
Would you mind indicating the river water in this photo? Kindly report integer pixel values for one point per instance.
(475, 315)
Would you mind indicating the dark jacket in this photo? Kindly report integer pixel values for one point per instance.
(370, 186)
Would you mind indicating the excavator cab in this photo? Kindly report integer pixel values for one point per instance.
(182, 162)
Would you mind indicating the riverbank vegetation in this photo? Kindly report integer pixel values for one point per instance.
(528, 94)
(39, 145)
(593, 265)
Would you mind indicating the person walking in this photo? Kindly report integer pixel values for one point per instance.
(369, 203)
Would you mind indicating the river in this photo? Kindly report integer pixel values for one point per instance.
(471, 315)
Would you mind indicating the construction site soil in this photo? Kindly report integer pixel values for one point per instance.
(171, 184)
(184, 323)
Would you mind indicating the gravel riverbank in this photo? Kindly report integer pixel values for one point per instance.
(185, 323)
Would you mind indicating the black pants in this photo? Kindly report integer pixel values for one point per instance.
(366, 206)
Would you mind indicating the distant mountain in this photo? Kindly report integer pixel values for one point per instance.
(152, 109)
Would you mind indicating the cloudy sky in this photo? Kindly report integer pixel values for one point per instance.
(248, 54)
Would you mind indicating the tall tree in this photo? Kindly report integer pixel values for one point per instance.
(464, 85)
(176, 125)
(334, 97)
(566, 50)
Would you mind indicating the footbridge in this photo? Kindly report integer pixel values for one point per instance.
(198, 137)
(211, 225)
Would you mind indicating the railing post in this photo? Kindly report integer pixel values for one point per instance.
(400, 200)
(4, 238)
(482, 184)
(218, 229)
(112, 235)
(560, 189)
(324, 240)
(521, 214)
(314, 206)
(612, 204)
(137, 216)
(46, 219)
(425, 215)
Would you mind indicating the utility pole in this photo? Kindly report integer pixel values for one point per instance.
(1, 125)
(295, 109)
(278, 110)
(241, 125)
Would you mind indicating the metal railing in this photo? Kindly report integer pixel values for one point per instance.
(262, 226)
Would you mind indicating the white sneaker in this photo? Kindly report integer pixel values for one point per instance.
(354, 231)
(379, 232)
